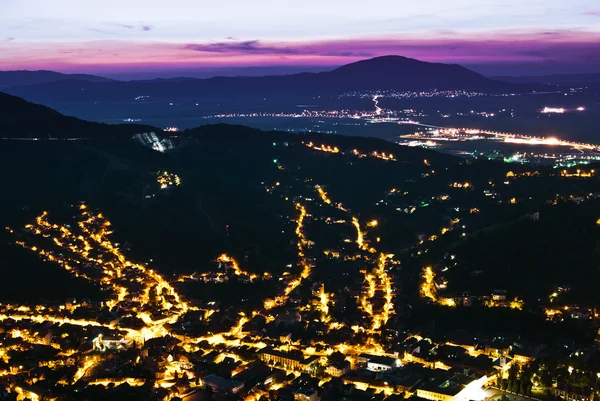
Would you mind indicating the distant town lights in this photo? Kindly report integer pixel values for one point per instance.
(555, 110)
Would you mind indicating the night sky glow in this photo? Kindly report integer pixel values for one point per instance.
(115, 37)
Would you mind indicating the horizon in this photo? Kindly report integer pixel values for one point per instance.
(263, 71)
(148, 40)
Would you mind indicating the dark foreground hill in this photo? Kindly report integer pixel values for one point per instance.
(239, 186)
(22, 119)
(222, 205)
(238, 193)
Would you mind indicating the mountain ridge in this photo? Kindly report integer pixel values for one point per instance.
(380, 73)
(36, 77)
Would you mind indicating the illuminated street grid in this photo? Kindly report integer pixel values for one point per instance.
(136, 292)
(148, 306)
(559, 152)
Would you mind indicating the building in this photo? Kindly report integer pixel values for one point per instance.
(496, 350)
(289, 361)
(574, 393)
(338, 368)
(316, 289)
(221, 385)
(452, 387)
(376, 363)
(305, 394)
(381, 363)
(288, 317)
(499, 295)
(104, 343)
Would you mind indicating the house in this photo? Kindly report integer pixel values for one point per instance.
(109, 342)
(497, 349)
(288, 317)
(306, 394)
(405, 379)
(574, 393)
(221, 385)
(377, 363)
(338, 368)
(381, 363)
(499, 295)
(289, 361)
(449, 386)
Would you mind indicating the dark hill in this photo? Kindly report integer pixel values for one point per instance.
(224, 135)
(388, 72)
(396, 72)
(19, 78)
(22, 119)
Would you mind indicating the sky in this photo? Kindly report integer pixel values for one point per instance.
(152, 38)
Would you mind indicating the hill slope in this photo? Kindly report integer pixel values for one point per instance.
(22, 119)
(19, 78)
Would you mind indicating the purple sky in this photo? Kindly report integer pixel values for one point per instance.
(135, 38)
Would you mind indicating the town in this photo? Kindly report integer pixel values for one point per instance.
(313, 331)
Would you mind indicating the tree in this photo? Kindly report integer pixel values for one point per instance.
(513, 376)
(523, 386)
(515, 386)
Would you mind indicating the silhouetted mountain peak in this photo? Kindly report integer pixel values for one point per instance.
(398, 72)
(380, 62)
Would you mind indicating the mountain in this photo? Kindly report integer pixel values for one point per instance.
(557, 79)
(22, 119)
(20, 78)
(387, 72)
(396, 72)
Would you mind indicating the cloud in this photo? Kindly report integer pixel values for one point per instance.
(592, 13)
(9, 39)
(126, 26)
(566, 46)
(550, 33)
(257, 48)
(102, 31)
(118, 32)
(249, 46)
(143, 27)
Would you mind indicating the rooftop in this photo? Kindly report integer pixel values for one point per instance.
(220, 382)
(447, 384)
(384, 360)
